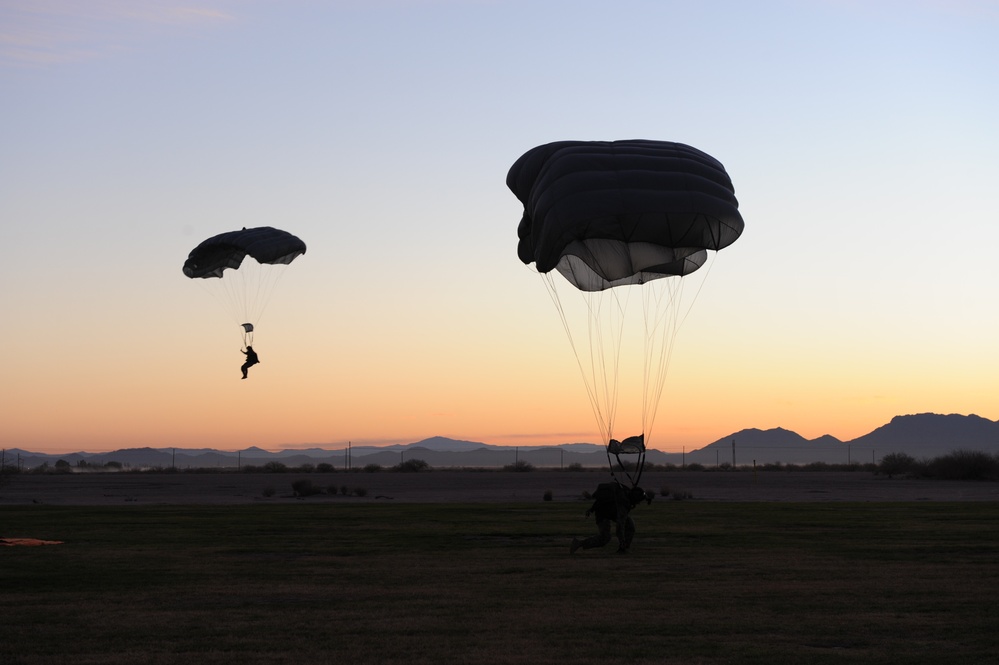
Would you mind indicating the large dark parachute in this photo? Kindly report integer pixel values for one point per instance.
(607, 214)
(610, 217)
(243, 287)
(227, 250)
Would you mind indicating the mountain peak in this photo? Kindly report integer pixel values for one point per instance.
(444, 444)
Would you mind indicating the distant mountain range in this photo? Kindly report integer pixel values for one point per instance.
(923, 436)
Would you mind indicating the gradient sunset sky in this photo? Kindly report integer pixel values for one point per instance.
(861, 136)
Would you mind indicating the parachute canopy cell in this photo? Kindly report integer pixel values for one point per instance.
(227, 250)
(609, 213)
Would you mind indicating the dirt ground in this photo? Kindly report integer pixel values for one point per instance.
(472, 486)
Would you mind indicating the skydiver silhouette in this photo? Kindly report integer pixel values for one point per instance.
(251, 359)
(613, 503)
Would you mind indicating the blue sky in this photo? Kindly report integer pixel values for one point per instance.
(861, 138)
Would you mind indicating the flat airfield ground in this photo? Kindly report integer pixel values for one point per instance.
(474, 567)
(447, 486)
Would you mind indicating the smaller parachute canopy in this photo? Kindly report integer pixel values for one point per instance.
(227, 250)
(633, 445)
(248, 327)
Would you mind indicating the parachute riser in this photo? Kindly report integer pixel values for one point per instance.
(247, 334)
(634, 445)
(622, 467)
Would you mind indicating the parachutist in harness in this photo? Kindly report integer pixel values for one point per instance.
(612, 503)
(241, 268)
(603, 219)
(251, 359)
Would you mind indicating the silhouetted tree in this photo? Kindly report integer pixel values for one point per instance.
(894, 464)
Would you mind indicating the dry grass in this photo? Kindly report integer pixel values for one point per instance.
(494, 584)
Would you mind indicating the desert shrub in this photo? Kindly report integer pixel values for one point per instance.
(519, 466)
(676, 495)
(964, 465)
(344, 490)
(306, 468)
(548, 495)
(325, 467)
(360, 491)
(275, 467)
(372, 468)
(575, 466)
(697, 467)
(896, 464)
(269, 491)
(412, 466)
(305, 487)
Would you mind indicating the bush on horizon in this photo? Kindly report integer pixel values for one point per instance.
(411, 466)
(964, 465)
(897, 464)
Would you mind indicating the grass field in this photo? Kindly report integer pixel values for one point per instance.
(494, 583)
